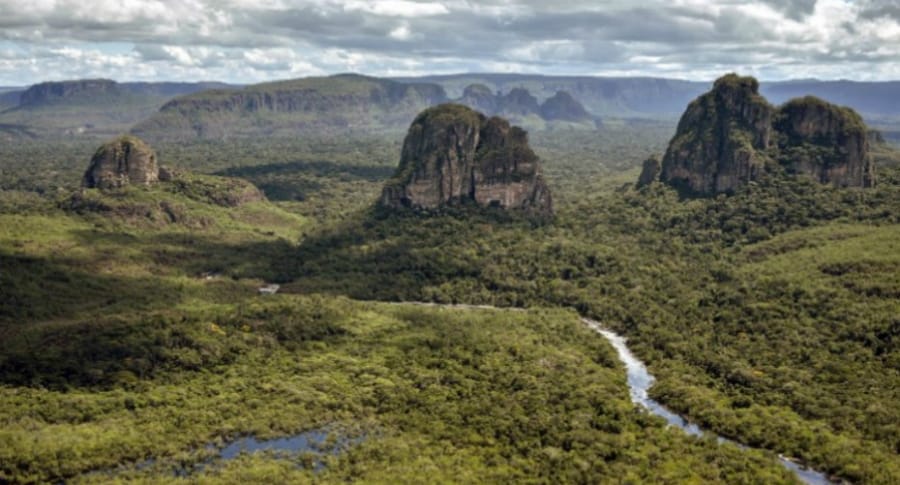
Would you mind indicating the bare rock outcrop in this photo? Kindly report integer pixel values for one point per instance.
(127, 160)
(480, 98)
(649, 172)
(562, 106)
(453, 155)
(518, 102)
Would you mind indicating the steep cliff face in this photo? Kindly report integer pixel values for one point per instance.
(95, 108)
(343, 102)
(649, 172)
(453, 155)
(732, 135)
(562, 106)
(126, 160)
(721, 139)
(480, 98)
(824, 141)
(518, 102)
(53, 92)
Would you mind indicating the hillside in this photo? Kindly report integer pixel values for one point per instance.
(9, 97)
(347, 103)
(87, 107)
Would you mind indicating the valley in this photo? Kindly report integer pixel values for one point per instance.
(133, 329)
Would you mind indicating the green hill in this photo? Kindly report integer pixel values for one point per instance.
(345, 103)
(86, 108)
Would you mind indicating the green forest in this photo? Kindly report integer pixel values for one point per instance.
(134, 342)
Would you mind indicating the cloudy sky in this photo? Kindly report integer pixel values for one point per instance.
(255, 40)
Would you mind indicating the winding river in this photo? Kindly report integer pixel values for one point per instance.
(639, 382)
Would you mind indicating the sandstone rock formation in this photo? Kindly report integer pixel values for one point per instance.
(50, 92)
(480, 98)
(342, 104)
(453, 155)
(120, 162)
(721, 138)
(732, 135)
(562, 106)
(827, 142)
(518, 102)
(649, 172)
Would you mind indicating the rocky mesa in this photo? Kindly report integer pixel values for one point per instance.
(454, 155)
(732, 135)
(59, 91)
(344, 103)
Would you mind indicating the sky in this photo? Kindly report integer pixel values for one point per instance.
(246, 41)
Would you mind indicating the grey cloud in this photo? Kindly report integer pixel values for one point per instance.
(576, 36)
(151, 52)
(874, 9)
(794, 9)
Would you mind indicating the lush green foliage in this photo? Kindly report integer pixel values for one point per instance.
(125, 334)
(685, 280)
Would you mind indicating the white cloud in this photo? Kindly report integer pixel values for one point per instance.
(180, 55)
(250, 40)
(401, 33)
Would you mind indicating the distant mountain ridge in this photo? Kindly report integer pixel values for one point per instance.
(100, 107)
(352, 103)
(86, 90)
(615, 97)
(519, 103)
(873, 99)
(344, 103)
(666, 98)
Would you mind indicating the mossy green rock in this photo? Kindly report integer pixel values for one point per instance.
(721, 139)
(127, 160)
(828, 142)
(453, 155)
(732, 135)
